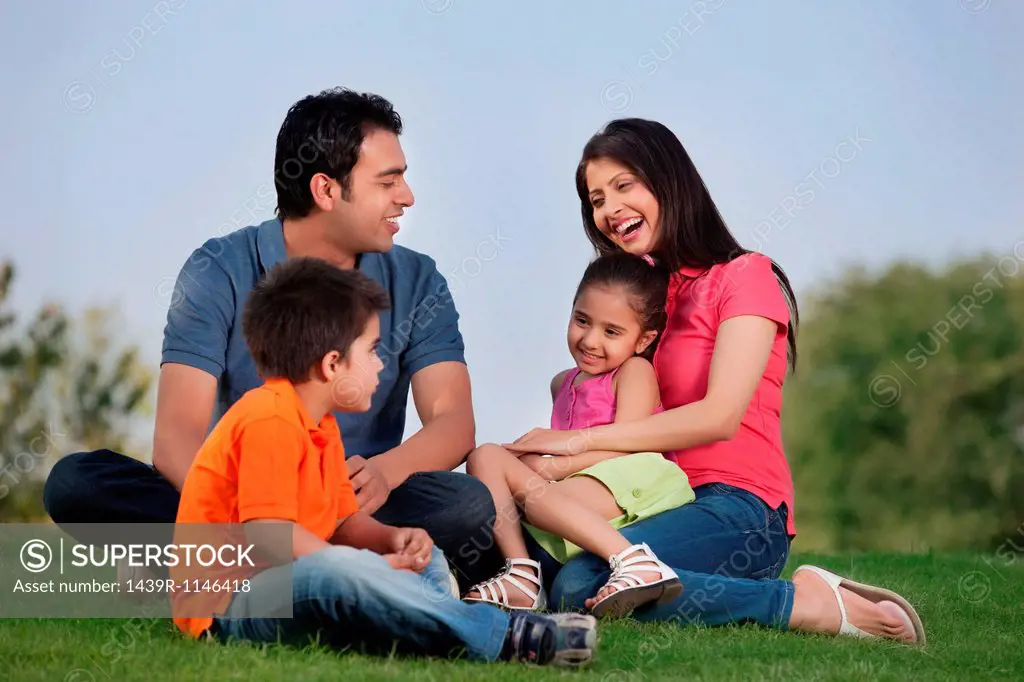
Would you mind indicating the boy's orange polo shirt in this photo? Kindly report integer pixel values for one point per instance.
(266, 458)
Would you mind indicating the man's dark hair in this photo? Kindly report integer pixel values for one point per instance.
(323, 133)
(301, 310)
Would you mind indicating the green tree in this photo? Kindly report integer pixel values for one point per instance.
(64, 386)
(904, 422)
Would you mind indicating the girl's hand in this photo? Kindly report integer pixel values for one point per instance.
(552, 442)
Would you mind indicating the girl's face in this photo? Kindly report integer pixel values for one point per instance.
(604, 330)
(624, 209)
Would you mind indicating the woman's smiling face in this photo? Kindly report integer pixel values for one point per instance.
(624, 209)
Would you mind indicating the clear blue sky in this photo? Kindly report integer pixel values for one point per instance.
(132, 131)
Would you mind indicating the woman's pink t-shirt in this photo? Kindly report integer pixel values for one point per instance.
(698, 302)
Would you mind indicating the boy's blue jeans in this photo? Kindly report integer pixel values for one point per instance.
(728, 548)
(352, 597)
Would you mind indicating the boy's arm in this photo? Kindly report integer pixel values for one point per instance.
(362, 531)
(269, 451)
(404, 548)
(303, 542)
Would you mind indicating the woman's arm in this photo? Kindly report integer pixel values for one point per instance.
(742, 348)
(557, 468)
(636, 397)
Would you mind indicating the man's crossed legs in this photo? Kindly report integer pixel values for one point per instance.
(455, 509)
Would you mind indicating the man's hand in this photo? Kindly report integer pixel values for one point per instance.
(368, 482)
(412, 547)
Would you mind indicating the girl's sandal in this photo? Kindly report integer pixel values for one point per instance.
(631, 590)
(493, 591)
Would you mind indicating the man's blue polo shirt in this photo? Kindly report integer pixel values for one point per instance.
(204, 325)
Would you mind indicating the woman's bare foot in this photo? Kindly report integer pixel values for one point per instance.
(815, 610)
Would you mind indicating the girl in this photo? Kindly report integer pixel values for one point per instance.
(617, 314)
(720, 365)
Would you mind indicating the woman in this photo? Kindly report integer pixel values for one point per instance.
(721, 364)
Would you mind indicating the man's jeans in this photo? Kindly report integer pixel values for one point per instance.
(350, 597)
(728, 548)
(106, 487)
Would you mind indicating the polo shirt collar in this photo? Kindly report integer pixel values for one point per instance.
(318, 432)
(270, 243)
(687, 271)
(270, 247)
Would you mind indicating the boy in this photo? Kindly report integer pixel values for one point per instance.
(276, 456)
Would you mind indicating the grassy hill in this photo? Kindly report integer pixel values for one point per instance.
(972, 607)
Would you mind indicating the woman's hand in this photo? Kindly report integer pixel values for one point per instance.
(551, 442)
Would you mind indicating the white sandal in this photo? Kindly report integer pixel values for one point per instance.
(872, 594)
(631, 590)
(493, 591)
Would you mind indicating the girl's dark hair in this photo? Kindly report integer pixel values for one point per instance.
(693, 233)
(646, 284)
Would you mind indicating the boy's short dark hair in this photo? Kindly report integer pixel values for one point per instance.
(301, 310)
(323, 133)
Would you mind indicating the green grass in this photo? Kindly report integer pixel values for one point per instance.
(972, 607)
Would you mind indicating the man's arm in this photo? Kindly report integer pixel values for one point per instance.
(194, 354)
(184, 406)
(435, 361)
(444, 404)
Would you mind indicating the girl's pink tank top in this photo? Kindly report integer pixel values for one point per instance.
(592, 403)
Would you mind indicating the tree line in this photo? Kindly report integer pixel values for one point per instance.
(903, 424)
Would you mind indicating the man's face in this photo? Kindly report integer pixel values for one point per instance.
(367, 219)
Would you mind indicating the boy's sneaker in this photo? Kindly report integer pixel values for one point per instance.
(559, 639)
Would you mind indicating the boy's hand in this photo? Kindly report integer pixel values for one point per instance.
(412, 544)
(401, 562)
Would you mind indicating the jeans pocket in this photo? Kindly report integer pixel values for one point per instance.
(756, 515)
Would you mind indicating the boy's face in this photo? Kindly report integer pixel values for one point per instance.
(356, 379)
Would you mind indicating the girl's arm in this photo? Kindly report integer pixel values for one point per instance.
(636, 391)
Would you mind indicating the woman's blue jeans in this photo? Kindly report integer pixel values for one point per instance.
(728, 548)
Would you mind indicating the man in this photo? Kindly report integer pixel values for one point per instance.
(340, 176)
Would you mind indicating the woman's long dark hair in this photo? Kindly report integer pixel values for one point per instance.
(693, 232)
